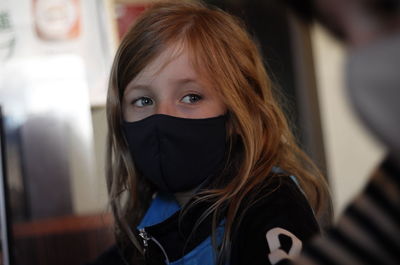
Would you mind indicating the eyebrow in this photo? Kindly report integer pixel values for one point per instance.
(178, 82)
(132, 87)
(137, 86)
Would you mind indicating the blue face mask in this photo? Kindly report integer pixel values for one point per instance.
(373, 82)
(177, 154)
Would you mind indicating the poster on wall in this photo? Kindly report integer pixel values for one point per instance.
(57, 19)
(126, 15)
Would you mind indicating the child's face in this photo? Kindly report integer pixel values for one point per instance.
(170, 87)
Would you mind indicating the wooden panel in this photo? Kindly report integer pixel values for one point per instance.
(68, 240)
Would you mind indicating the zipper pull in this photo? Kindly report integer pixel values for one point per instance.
(145, 238)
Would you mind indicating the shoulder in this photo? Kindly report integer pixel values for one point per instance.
(276, 223)
(282, 195)
(278, 202)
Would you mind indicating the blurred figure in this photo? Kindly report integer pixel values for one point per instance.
(369, 230)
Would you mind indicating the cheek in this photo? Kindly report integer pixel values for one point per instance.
(220, 105)
(223, 107)
(204, 110)
(216, 108)
(127, 113)
(132, 115)
(124, 111)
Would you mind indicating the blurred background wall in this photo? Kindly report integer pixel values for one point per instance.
(351, 152)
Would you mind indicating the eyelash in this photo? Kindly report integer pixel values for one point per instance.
(198, 98)
(134, 102)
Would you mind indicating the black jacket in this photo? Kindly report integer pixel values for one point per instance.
(278, 220)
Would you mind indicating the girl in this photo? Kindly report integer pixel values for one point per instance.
(201, 158)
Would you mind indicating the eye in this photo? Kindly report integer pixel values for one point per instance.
(142, 102)
(191, 98)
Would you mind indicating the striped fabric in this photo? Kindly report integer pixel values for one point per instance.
(369, 230)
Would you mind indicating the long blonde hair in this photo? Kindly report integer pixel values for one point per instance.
(258, 133)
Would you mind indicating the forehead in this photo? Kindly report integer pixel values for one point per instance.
(172, 63)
